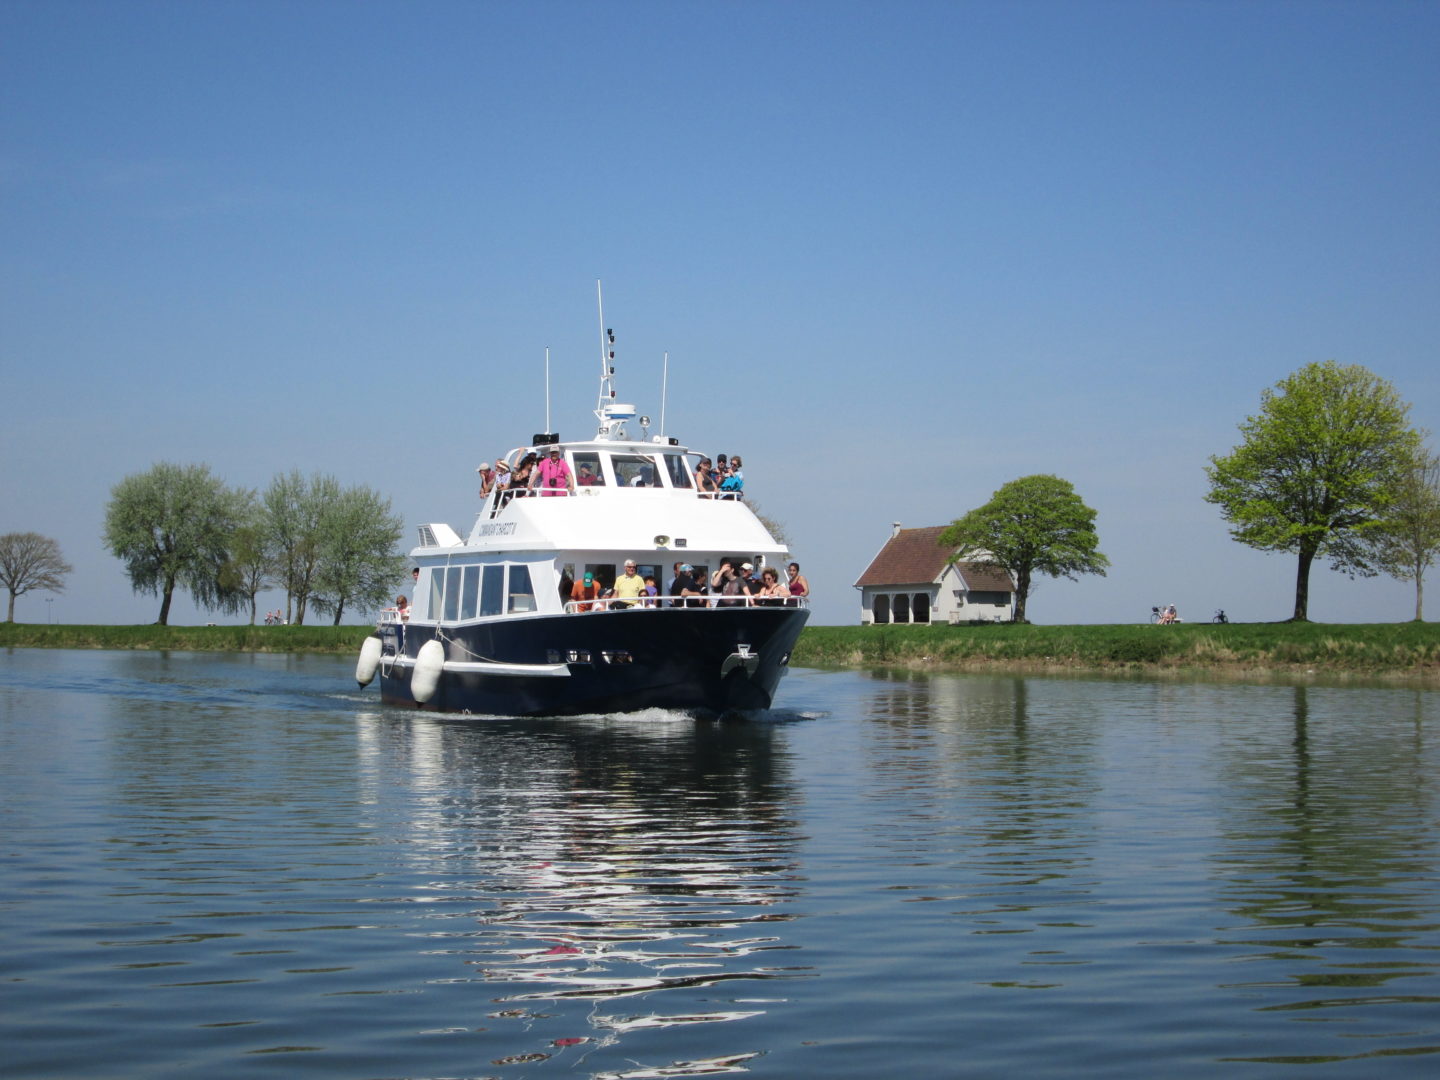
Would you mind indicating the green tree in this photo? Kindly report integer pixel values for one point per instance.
(294, 510)
(30, 561)
(172, 526)
(1033, 525)
(1406, 543)
(251, 568)
(358, 566)
(1317, 470)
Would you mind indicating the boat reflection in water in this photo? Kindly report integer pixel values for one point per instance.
(595, 862)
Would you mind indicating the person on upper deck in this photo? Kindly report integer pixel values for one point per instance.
(487, 479)
(522, 475)
(705, 482)
(553, 476)
(733, 479)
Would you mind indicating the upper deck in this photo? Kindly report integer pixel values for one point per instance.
(629, 496)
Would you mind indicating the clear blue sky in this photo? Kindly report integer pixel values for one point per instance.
(899, 253)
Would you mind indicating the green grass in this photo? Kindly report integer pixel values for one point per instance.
(310, 639)
(1412, 648)
(1384, 648)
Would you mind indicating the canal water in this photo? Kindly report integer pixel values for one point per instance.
(241, 866)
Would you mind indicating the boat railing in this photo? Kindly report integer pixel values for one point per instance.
(497, 501)
(655, 603)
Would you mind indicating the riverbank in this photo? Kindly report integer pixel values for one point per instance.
(1405, 649)
(306, 639)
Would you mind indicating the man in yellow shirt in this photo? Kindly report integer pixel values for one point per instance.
(629, 586)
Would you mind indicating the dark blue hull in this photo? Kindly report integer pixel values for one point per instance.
(703, 661)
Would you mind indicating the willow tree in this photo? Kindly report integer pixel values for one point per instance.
(1033, 525)
(1317, 471)
(172, 526)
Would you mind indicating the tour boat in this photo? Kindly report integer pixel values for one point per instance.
(493, 629)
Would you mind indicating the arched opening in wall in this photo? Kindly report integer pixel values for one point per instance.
(880, 608)
(922, 607)
(900, 607)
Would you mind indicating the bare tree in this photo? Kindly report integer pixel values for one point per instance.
(30, 561)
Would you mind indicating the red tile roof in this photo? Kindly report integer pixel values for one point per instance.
(915, 557)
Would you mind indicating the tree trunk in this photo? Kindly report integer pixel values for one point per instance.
(339, 610)
(1022, 591)
(1302, 584)
(1419, 598)
(164, 619)
(10, 616)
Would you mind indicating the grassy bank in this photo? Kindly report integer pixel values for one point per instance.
(1387, 648)
(311, 639)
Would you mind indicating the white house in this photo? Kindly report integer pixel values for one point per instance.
(913, 580)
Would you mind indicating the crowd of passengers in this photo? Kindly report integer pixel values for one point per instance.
(732, 585)
(548, 473)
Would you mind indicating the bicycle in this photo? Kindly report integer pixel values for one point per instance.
(1154, 614)
(1220, 616)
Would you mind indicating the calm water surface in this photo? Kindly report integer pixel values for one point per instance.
(239, 866)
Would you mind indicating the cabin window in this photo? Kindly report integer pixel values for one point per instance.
(470, 592)
(675, 466)
(493, 590)
(452, 594)
(437, 592)
(634, 470)
(522, 595)
(587, 470)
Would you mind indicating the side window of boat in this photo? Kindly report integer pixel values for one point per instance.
(587, 470)
(522, 596)
(469, 593)
(634, 470)
(675, 466)
(452, 594)
(437, 592)
(493, 591)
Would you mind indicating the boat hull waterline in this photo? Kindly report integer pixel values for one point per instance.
(707, 662)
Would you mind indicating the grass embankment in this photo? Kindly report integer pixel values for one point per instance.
(1361, 649)
(1377, 649)
(309, 639)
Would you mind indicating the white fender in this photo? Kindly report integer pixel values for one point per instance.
(425, 677)
(369, 660)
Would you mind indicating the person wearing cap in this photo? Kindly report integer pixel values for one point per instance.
(553, 476)
(585, 592)
(752, 583)
(487, 479)
(686, 585)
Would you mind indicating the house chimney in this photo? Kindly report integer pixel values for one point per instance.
(894, 529)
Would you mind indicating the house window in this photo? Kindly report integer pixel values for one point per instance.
(880, 608)
(922, 607)
(900, 607)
